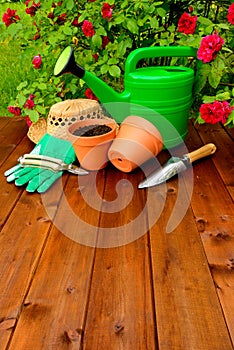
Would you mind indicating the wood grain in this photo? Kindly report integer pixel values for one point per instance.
(92, 263)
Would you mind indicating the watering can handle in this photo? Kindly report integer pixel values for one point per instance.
(157, 51)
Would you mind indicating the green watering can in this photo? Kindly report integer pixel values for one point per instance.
(160, 94)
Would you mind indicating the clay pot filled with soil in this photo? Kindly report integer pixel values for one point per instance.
(91, 139)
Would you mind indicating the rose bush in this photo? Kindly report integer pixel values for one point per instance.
(105, 32)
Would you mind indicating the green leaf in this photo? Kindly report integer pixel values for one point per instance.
(223, 96)
(104, 68)
(33, 115)
(208, 99)
(67, 30)
(83, 16)
(14, 28)
(112, 60)
(132, 25)
(124, 4)
(21, 99)
(69, 4)
(97, 40)
(22, 85)
(223, 25)
(154, 23)
(40, 109)
(205, 21)
(42, 86)
(122, 47)
(101, 31)
(114, 71)
(201, 77)
(120, 19)
(216, 73)
(161, 12)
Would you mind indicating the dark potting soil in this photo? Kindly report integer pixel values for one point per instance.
(92, 130)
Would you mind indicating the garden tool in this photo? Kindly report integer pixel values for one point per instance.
(50, 163)
(161, 94)
(176, 165)
(39, 178)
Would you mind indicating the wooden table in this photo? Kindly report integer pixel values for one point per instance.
(66, 283)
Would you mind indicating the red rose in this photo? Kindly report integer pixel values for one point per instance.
(29, 104)
(61, 19)
(28, 121)
(215, 112)
(230, 15)
(89, 94)
(209, 47)
(87, 28)
(37, 61)
(76, 22)
(32, 9)
(105, 41)
(14, 110)
(107, 10)
(187, 23)
(95, 56)
(10, 17)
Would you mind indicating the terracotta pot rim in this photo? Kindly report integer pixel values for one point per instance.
(87, 139)
(148, 126)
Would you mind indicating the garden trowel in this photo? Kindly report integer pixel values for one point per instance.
(175, 165)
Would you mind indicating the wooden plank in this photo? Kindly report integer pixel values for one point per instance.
(121, 311)
(54, 309)
(9, 193)
(214, 213)
(188, 312)
(21, 241)
(3, 122)
(224, 158)
(10, 136)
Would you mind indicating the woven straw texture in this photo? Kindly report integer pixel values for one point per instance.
(37, 130)
(65, 113)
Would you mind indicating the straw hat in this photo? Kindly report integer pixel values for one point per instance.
(37, 130)
(62, 115)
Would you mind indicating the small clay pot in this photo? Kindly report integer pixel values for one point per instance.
(92, 151)
(137, 141)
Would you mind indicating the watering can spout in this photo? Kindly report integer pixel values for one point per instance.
(66, 64)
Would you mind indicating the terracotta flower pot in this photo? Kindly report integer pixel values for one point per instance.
(92, 151)
(137, 141)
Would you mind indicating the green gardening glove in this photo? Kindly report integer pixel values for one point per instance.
(39, 179)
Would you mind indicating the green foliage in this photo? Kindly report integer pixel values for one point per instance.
(133, 24)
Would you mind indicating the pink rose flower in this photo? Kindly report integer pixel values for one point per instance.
(10, 17)
(209, 47)
(230, 15)
(28, 121)
(30, 103)
(14, 110)
(215, 112)
(87, 28)
(107, 10)
(187, 23)
(37, 61)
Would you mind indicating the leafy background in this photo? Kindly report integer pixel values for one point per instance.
(133, 24)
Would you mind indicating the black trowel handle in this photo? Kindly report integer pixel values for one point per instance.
(204, 151)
